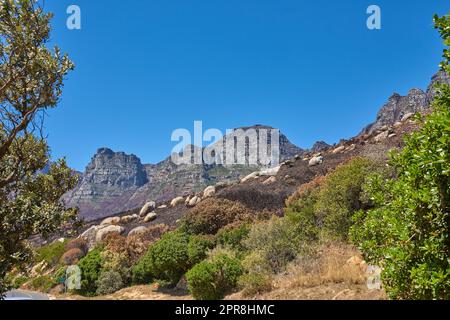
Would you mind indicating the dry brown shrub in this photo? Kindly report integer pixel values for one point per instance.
(137, 245)
(78, 243)
(72, 256)
(213, 214)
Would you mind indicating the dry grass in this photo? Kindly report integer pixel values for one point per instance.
(331, 266)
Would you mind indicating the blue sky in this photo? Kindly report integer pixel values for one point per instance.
(310, 68)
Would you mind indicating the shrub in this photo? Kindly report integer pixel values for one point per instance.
(233, 236)
(255, 283)
(340, 196)
(198, 246)
(19, 281)
(212, 279)
(117, 262)
(408, 231)
(42, 283)
(78, 243)
(278, 241)
(90, 267)
(137, 245)
(166, 260)
(109, 282)
(213, 214)
(51, 253)
(72, 256)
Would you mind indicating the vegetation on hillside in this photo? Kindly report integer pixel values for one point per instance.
(31, 80)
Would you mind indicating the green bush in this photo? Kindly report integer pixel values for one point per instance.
(19, 281)
(51, 253)
(198, 247)
(278, 241)
(90, 266)
(42, 283)
(407, 233)
(166, 260)
(109, 282)
(233, 237)
(340, 196)
(212, 279)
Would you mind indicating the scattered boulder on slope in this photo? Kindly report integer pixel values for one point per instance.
(112, 220)
(176, 201)
(103, 232)
(150, 217)
(315, 161)
(209, 191)
(137, 231)
(148, 207)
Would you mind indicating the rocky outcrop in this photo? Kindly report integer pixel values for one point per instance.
(398, 106)
(115, 182)
(319, 146)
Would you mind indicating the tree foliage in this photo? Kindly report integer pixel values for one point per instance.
(31, 81)
(408, 233)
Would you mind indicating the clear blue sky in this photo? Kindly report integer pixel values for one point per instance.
(310, 68)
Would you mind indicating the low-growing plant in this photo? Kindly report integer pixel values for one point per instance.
(90, 266)
(212, 214)
(51, 253)
(78, 243)
(72, 256)
(166, 260)
(255, 283)
(42, 283)
(109, 282)
(233, 236)
(278, 241)
(198, 247)
(212, 279)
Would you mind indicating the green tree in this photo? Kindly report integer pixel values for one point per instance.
(408, 234)
(31, 80)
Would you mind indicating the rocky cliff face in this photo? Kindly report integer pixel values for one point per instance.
(397, 106)
(114, 182)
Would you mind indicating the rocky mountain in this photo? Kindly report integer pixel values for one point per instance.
(398, 106)
(115, 182)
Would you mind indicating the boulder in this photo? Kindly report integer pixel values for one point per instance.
(90, 235)
(137, 231)
(150, 217)
(103, 232)
(209, 191)
(407, 116)
(128, 219)
(148, 207)
(315, 161)
(270, 172)
(186, 202)
(351, 147)
(382, 136)
(270, 180)
(162, 206)
(253, 175)
(111, 220)
(194, 201)
(398, 124)
(338, 149)
(392, 135)
(176, 201)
